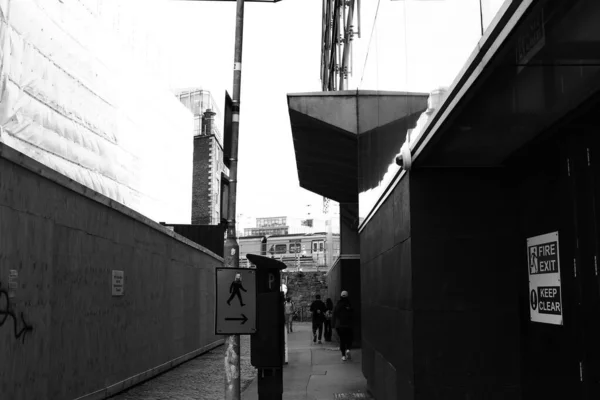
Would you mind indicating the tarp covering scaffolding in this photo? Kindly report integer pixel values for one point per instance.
(82, 92)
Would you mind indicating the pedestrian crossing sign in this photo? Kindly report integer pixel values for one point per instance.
(235, 305)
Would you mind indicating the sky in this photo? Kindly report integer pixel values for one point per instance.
(411, 45)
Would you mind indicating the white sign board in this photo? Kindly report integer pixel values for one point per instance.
(13, 284)
(118, 283)
(235, 312)
(543, 262)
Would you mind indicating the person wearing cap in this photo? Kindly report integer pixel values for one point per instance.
(342, 320)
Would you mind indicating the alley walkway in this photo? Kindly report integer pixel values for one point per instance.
(316, 371)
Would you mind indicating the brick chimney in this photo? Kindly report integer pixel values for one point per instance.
(207, 121)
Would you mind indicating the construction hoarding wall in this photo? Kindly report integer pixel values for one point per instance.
(94, 297)
(83, 92)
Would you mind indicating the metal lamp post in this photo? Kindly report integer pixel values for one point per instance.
(231, 250)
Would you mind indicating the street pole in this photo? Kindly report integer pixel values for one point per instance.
(231, 250)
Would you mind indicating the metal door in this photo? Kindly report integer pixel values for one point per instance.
(551, 354)
(585, 179)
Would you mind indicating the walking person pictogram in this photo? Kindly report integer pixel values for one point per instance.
(235, 288)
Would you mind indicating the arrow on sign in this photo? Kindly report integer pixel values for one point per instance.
(243, 319)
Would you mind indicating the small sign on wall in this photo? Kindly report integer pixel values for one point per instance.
(13, 284)
(543, 261)
(118, 283)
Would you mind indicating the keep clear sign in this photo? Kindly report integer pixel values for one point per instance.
(545, 301)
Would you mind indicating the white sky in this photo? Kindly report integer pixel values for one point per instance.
(416, 46)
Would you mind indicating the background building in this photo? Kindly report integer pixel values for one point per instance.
(84, 92)
(210, 173)
(305, 252)
(325, 222)
(268, 226)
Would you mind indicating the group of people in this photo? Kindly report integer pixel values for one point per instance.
(324, 317)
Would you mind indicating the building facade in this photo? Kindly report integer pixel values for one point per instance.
(268, 226)
(210, 173)
(455, 232)
(306, 252)
(105, 119)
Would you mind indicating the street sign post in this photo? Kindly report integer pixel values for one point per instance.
(236, 301)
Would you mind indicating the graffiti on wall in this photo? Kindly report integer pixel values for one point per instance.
(7, 314)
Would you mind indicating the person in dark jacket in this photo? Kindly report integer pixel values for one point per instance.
(342, 320)
(317, 308)
(328, 314)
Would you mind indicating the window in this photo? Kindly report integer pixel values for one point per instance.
(318, 246)
(270, 222)
(295, 247)
(185, 99)
(197, 125)
(280, 248)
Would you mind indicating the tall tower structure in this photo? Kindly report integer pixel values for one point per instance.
(337, 33)
(209, 170)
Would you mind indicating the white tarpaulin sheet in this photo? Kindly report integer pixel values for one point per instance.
(82, 91)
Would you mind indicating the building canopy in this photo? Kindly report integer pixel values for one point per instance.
(345, 140)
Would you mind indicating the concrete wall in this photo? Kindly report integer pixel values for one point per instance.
(439, 288)
(62, 241)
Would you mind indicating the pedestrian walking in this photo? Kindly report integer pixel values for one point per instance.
(327, 325)
(288, 308)
(342, 320)
(317, 308)
(235, 288)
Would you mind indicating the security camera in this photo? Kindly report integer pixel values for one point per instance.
(404, 158)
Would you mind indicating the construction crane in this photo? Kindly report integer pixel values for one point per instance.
(336, 42)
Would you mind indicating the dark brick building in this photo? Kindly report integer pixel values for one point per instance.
(207, 180)
(209, 171)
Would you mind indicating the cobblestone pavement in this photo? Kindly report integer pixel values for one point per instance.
(199, 379)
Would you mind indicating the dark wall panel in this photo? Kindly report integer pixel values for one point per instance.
(334, 281)
(465, 249)
(463, 273)
(209, 236)
(401, 207)
(466, 350)
(386, 279)
(350, 279)
(348, 228)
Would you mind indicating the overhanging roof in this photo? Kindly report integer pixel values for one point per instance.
(326, 127)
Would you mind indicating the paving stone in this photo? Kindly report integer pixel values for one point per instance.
(201, 378)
